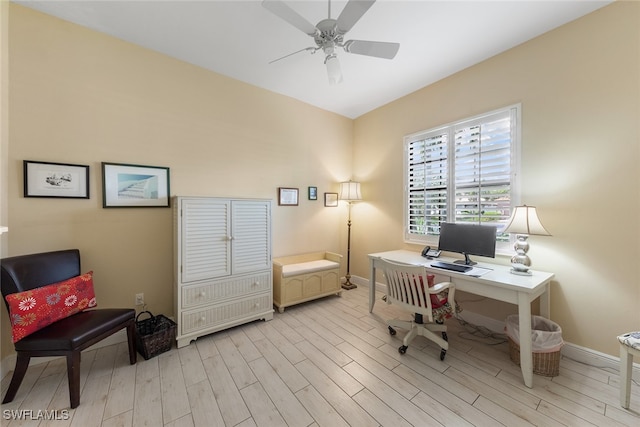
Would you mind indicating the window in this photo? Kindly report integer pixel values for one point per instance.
(462, 172)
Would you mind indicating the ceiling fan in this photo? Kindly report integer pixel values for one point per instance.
(329, 33)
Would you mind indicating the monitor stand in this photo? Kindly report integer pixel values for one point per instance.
(465, 261)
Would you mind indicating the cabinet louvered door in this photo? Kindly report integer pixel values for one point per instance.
(205, 239)
(251, 233)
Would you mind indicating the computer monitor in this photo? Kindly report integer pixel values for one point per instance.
(468, 239)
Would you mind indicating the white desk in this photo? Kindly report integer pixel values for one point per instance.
(498, 284)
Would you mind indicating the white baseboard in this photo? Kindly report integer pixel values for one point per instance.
(596, 358)
(9, 362)
(569, 350)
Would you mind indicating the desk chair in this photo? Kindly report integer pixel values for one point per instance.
(65, 337)
(629, 347)
(410, 287)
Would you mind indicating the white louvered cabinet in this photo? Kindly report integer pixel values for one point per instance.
(223, 275)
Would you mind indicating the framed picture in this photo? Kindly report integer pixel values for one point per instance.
(44, 179)
(287, 196)
(331, 199)
(313, 193)
(134, 186)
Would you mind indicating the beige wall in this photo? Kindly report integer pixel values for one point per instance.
(81, 97)
(78, 96)
(5, 343)
(579, 87)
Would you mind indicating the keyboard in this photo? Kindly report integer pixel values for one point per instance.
(452, 267)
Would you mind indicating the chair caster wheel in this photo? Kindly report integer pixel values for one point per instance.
(444, 336)
(392, 331)
(443, 353)
(402, 349)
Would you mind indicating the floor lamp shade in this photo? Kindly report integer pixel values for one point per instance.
(524, 222)
(350, 191)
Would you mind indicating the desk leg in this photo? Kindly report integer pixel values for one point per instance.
(526, 357)
(372, 284)
(545, 302)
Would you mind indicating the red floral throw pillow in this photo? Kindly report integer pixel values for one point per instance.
(32, 310)
(437, 300)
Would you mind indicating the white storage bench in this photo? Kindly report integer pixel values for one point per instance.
(300, 278)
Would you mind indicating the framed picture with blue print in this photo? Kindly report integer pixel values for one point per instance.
(134, 186)
(313, 193)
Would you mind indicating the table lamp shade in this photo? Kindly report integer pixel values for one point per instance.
(350, 191)
(524, 220)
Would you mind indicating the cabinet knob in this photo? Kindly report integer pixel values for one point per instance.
(203, 294)
(256, 283)
(202, 318)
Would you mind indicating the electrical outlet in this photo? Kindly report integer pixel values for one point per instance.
(139, 299)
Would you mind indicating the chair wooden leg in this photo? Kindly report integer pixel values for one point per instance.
(626, 371)
(73, 372)
(131, 336)
(22, 363)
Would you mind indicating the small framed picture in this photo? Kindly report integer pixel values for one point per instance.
(44, 179)
(313, 193)
(287, 196)
(331, 199)
(134, 186)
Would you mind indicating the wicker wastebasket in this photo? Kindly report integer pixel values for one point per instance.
(154, 335)
(545, 344)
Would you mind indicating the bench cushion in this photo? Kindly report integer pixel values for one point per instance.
(308, 267)
(632, 339)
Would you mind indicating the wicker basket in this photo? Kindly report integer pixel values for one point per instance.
(154, 335)
(546, 364)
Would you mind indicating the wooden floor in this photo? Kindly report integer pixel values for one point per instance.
(324, 363)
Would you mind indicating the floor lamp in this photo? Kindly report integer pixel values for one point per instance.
(349, 192)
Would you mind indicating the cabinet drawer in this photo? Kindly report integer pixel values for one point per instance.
(225, 313)
(213, 292)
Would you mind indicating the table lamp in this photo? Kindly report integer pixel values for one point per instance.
(349, 192)
(524, 222)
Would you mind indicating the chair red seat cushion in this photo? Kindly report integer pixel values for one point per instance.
(76, 330)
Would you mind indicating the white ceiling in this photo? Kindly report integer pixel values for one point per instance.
(239, 38)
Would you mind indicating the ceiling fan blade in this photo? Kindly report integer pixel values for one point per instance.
(312, 49)
(283, 11)
(378, 49)
(352, 13)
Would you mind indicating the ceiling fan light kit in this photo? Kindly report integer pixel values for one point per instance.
(329, 34)
(333, 69)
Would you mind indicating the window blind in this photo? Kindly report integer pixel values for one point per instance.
(427, 183)
(462, 172)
